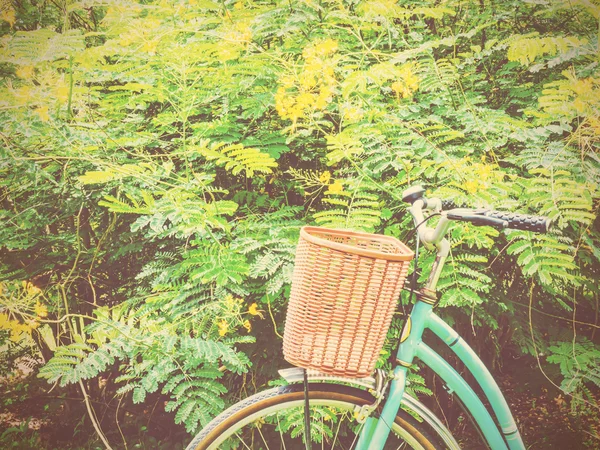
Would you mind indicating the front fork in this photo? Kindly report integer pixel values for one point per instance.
(375, 431)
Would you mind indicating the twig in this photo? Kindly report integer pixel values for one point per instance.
(117, 421)
(91, 414)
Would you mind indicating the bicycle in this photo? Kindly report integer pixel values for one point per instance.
(375, 411)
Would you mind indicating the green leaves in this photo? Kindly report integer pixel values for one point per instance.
(463, 282)
(215, 263)
(237, 158)
(31, 47)
(186, 368)
(157, 163)
(354, 207)
(545, 257)
(526, 49)
(579, 363)
(345, 145)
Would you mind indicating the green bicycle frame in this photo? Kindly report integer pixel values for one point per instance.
(375, 431)
(500, 435)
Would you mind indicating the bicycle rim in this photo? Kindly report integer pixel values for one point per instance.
(262, 422)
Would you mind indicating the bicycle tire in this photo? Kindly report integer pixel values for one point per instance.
(418, 435)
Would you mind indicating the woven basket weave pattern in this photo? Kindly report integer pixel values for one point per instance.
(342, 299)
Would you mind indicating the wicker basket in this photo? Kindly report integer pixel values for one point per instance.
(344, 293)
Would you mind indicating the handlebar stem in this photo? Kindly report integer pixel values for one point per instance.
(438, 265)
(432, 238)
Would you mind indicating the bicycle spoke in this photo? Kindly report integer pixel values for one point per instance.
(323, 437)
(242, 441)
(280, 425)
(357, 435)
(280, 433)
(263, 438)
(336, 433)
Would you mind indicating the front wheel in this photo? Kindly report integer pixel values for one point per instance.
(274, 419)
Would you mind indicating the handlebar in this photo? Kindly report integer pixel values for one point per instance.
(478, 217)
(500, 219)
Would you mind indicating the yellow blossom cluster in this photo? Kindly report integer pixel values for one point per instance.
(8, 14)
(19, 314)
(575, 98)
(480, 176)
(141, 33)
(336, 187)
(311, 89)
(320, 50)
(240, 33)
(232, 315)
(407, 82)
(572, 97)
(351, 113)
(39, 89)
(325, 177)
(17, 329)
(235, 40)
(223, 327)
(25, 72)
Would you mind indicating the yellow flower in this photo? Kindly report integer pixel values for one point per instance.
(223, 327)
(150, 46)
(335, 188)
(240, 34)
(253, 310)
(62, 93)
(471, 186)
(408, 82)
(32, 324)
(42, 112)
(40, 310)
(583, 87)
(308, 79)
(32, 289)
(4, 321)
(9, 15)
(247, 325)
(25, 72)
(580, 106)
(17, 330)
(325, 177)
(323, 48)
(324, 98)
(305, 100)
(483, 171)
(351, 113)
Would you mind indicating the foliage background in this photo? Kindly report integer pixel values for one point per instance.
(158, 159)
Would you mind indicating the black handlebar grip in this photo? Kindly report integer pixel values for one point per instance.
(538, 224)
(476, 219)
(450, 204)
